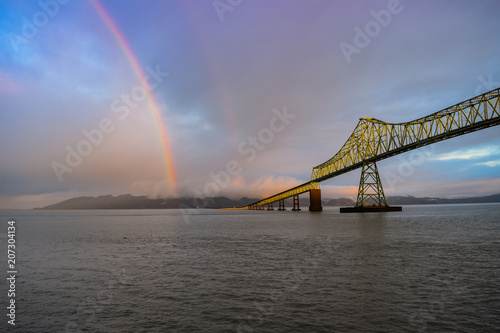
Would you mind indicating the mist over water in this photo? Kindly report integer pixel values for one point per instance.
(425, 269)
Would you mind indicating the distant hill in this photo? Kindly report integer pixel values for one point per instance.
(409, 200)
(339, 202)
(400, 200)
(128, 201)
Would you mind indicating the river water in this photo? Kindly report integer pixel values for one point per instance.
(425, 269)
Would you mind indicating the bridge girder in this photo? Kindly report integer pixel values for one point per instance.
(373, 139)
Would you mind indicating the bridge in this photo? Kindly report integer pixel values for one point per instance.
(373, 140)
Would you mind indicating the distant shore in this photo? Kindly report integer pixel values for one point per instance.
(128, 201)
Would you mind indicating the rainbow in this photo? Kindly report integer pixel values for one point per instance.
(153, 103)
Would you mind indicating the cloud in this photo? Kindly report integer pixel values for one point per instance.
(490, 163)
(469, 154)
(334, 191)
(38, 200)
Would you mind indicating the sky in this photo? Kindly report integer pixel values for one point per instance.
(235, 97)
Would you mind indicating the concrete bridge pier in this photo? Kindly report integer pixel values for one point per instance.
(270, 206)
(296, 207)
(315, 200)
(282, 205)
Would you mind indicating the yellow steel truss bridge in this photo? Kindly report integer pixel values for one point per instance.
(373, 140)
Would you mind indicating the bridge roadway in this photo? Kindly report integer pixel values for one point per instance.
(374, 140)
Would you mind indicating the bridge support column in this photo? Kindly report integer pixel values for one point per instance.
(270, 206)
(296, 207)
(282, 205)
(371, 196)
(315, 200)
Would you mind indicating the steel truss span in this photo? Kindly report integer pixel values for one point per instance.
(373, 140)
